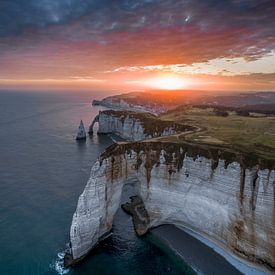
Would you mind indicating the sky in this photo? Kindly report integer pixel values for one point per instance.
(131, 45)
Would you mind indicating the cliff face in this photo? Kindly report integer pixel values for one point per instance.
(218, 194)
(114, 102)
(136, 126)
(126, 127)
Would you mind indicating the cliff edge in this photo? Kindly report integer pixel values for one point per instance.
(224, 195)
(135, 126)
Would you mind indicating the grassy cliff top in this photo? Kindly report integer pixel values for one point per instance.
(137, 115)
(210, 132)
(171, 99)
(253, 134)
(160, 98)
(194, 150)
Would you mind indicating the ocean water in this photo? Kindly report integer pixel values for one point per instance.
(43, 170)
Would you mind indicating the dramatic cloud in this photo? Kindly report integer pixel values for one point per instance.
(218, 66)
(46, 38)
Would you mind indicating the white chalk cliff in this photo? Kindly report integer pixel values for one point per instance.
(114, 102)
(208, 191)
(81, 133)
(135, 126)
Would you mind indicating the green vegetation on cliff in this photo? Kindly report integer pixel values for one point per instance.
(253, 134)
(176, 151)
(209, 132)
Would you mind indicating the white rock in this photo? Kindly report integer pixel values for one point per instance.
(208, 202)
(81, 133)
(126, 127)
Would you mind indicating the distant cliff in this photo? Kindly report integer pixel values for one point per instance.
(158, 102)
(115, 102)
(226, 196)
(136, 126)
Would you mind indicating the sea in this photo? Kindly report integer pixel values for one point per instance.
(43, 170)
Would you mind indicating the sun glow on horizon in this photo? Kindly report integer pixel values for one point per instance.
(167, 82)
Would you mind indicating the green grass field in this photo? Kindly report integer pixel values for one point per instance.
(250, 134)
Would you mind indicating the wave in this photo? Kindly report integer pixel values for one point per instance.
(58, 265)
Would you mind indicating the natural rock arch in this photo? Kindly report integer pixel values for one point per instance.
(91, 128)
(218, 202)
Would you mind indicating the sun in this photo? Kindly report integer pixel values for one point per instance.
(167, 82)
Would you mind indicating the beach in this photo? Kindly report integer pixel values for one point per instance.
(203, 258)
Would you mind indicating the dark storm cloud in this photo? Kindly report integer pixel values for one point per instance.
(131, 15)
(16, 15)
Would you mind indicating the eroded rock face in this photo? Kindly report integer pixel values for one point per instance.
(126, 128)
(136, 126)
(230, 203)
(136, 209)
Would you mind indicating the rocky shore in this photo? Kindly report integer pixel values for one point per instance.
(136, 209)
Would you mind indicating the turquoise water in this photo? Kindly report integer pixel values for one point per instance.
(43, 170)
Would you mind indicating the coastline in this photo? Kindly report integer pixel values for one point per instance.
(125, 108)
(203, 256)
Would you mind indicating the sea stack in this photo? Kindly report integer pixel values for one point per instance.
(81, 134)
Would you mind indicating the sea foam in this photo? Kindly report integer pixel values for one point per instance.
(58, 264)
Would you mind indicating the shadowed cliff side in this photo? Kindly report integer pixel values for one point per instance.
(137, 210)
(224, 195)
